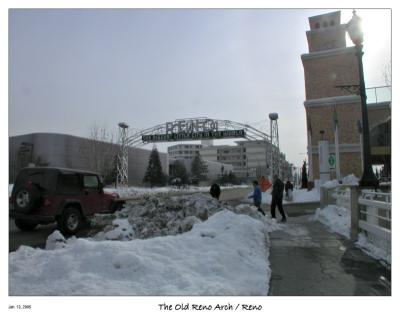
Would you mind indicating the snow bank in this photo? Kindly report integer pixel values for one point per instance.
(335, 217)
(162, 216)
(225, 255)
(350, 180)
(140, 192)
(151, 217)
(331, 184)
(372, 250)
(298, 196)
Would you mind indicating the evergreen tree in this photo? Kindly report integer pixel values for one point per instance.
(304, 179)
(154, 174)
(178, 170)
(198, 170)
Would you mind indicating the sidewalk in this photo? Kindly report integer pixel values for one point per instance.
(307, 259)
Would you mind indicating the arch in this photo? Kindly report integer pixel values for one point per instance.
(226, 125)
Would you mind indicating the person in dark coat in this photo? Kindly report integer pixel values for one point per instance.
(277, 196)
(288, 188)
(215, 191)
(257, 197)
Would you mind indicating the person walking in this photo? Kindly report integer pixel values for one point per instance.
(257, 197)
(277, 196)
(215, 191)
(288, 190)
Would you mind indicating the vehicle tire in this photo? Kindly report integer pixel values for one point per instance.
(69, 222)
(26, 199)
(25, 225)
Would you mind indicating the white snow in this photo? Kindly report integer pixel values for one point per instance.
(10, 188)
(122, 230)
(338, 220)
(335, 217)
(55, 241)
(350, 180)
(331, 184)
(225, 255)
(139, 192)
(372, 250)
(298, 196)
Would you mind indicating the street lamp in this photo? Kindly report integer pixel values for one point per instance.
(368, 178)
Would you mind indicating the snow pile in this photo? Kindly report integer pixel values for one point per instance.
(10, 188)
(142, 192)
(55, 241)
(225, 255)
(162, 216)
(159, 216)
(350, 180)
(372, 250)
(331, 184)
(121, 230)
(335, 217)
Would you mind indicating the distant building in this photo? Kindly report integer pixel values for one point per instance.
(250, 159)
(214, 169)
(69, 151)
(183, 151)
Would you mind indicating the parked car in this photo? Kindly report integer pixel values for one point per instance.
(42, 195)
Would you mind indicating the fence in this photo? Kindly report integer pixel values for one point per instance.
(370, 212)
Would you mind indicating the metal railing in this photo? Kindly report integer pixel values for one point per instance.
(371, 212)
(379, 94)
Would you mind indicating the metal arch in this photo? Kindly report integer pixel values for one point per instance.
(252, 134)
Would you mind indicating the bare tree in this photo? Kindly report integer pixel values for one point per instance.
(99, 151)
(387, 74)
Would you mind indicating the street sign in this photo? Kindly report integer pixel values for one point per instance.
(332, 161)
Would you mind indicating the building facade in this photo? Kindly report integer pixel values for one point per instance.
(330, 69)
(61, 150)
(183, 151)
(328, 65)
(250, 159)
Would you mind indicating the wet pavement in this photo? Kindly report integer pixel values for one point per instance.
(307, 259)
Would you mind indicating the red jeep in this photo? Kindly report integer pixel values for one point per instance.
(42, 195)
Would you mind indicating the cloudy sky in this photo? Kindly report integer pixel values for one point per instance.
(71, 69)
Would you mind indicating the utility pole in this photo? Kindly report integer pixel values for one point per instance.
(122, 162)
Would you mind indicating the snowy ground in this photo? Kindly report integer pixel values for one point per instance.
(187, 245)
(139, 192)
(298, 196)
(338, 220)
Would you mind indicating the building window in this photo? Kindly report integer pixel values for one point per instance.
(317, 26)
(325, 24)
(332, 23)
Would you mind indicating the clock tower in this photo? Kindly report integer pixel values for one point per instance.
(330, 69)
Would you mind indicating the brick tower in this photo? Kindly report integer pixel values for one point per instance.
(327, 65)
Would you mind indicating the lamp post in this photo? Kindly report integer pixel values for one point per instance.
(354, 30)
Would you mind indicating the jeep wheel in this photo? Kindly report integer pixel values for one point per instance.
(25, 225)
(70, 221)
(26, 198)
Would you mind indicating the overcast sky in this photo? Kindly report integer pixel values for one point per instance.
(71, 69)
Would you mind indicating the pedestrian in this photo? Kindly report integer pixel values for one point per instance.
(215, 191)
(257, 197)
(277, 196)
(289, 190)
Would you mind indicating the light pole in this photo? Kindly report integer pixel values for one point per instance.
(368, 178)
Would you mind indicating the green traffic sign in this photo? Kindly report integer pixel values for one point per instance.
(331, 160)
